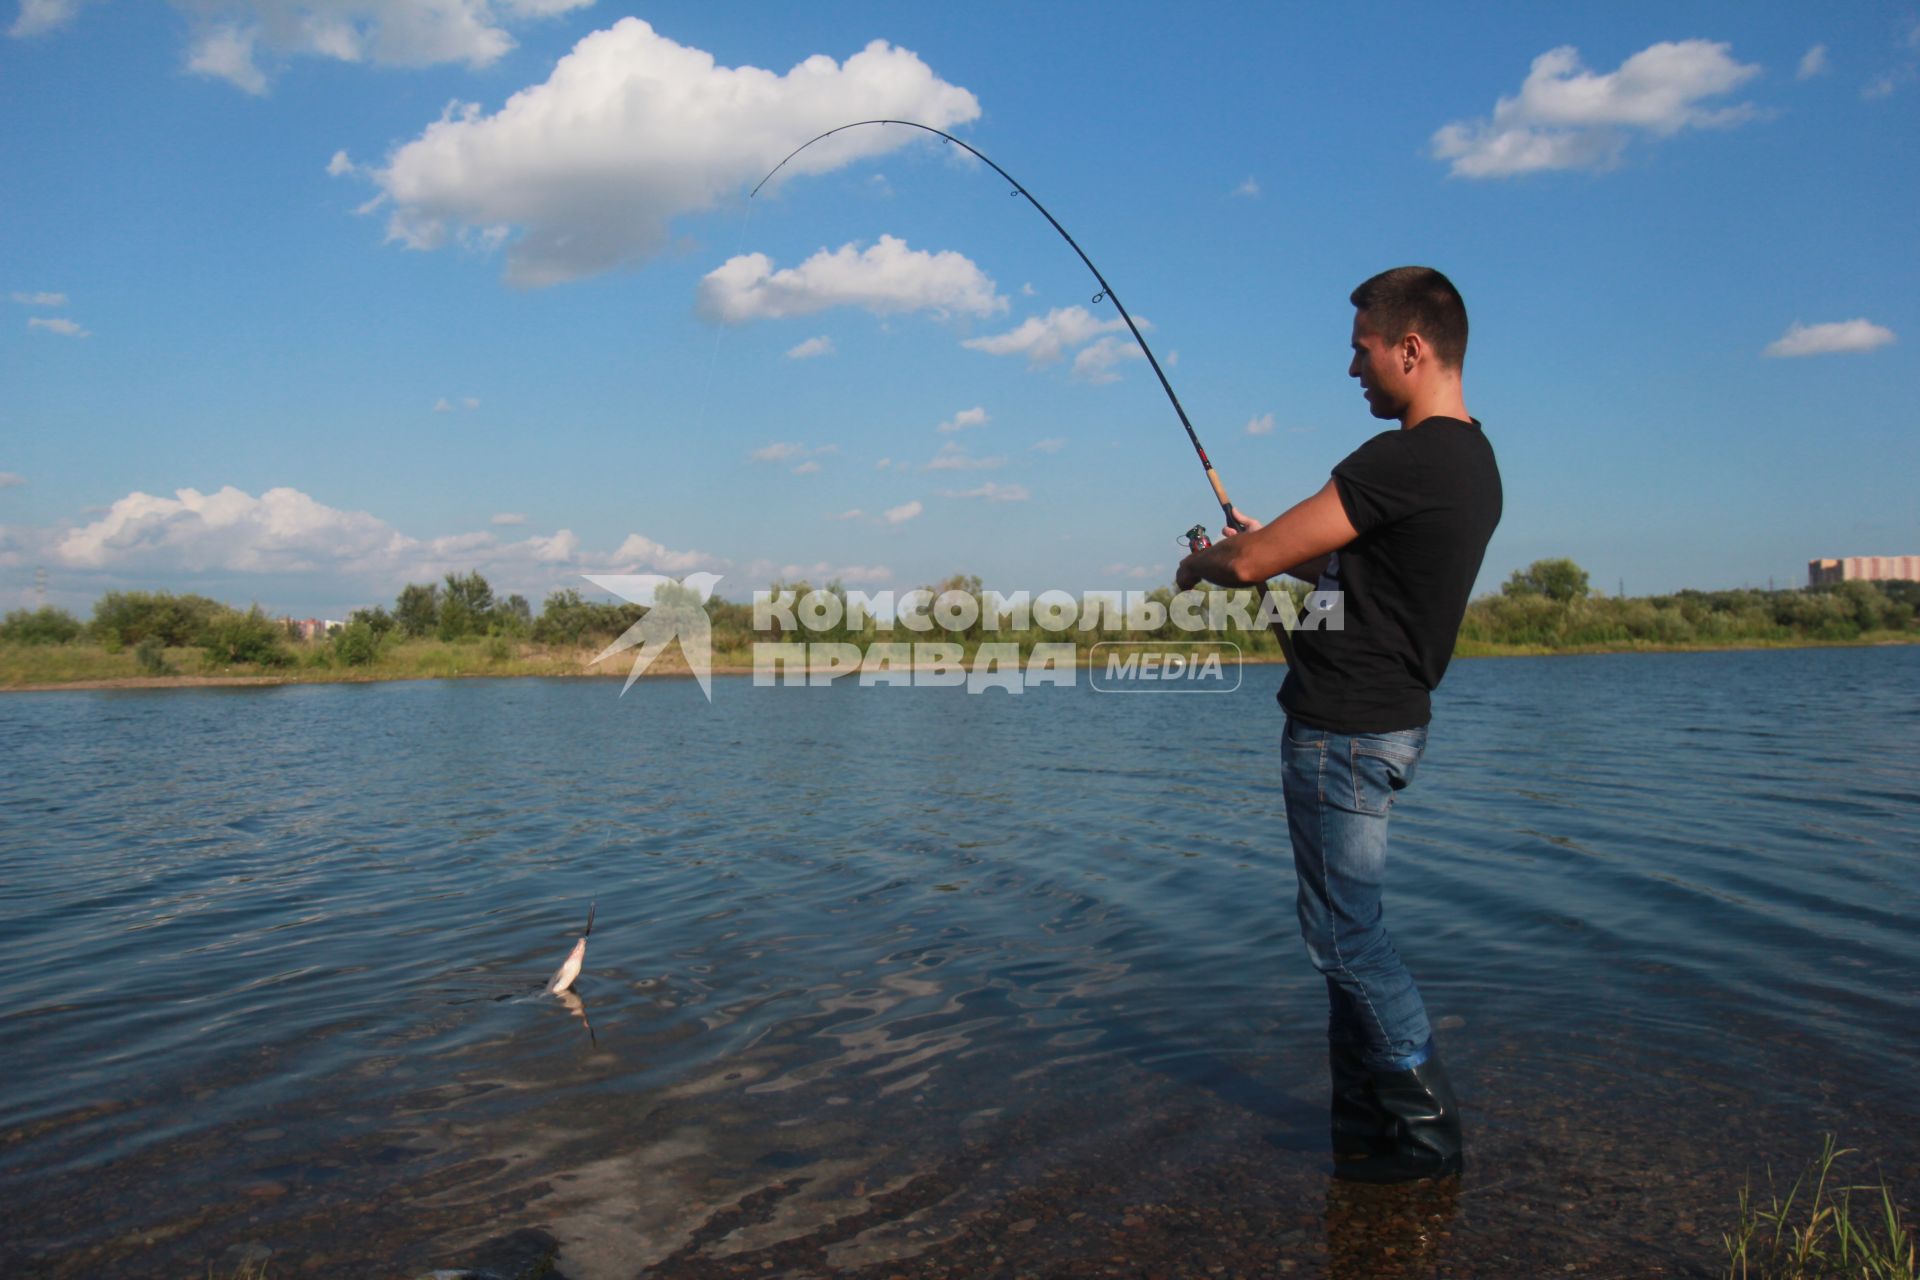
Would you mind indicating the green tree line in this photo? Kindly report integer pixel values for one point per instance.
(150, 622)
(1549, 605)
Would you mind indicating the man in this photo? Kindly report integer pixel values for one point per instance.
(1400, 530)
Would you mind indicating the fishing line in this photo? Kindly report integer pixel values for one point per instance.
(1195, 538)
(1106, 293)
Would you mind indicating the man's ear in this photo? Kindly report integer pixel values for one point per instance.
(1412, 348)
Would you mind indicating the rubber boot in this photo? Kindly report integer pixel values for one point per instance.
(1359, 1126)
(1422, 1128)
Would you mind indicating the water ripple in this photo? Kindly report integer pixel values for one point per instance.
(852, 931)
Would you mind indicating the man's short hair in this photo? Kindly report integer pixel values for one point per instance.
(1417, 300)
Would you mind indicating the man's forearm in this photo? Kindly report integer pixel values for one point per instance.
(1220, 565)
(1297, 542)
(1309, 570)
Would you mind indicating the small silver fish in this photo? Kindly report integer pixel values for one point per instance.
(570, 967)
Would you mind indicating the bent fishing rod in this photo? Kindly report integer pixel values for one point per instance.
(1196, 537)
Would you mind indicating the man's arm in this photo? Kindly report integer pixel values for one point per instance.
(1308, 570)
(1296, 543)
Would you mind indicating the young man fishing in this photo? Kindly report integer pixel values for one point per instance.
(1400, 530)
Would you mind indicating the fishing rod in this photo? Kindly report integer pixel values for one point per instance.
(1195, 538)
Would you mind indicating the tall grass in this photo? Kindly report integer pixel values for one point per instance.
(1820, 1231)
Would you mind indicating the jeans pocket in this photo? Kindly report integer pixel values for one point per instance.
(1303, 756)
(1381, 764)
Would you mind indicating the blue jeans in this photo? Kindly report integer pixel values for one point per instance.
(1339, 789)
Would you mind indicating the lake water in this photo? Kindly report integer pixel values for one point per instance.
(912, 982)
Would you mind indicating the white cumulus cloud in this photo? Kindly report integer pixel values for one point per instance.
(1095, 361)
(904, 512)
(9, 479)
(1829, 339)
(1248, 189)
(59, 324)
(38, 17)
(284, 531)
(953, 457)
(991, 492)
(641, 552)
(791, 451)
(1052, 444)
(281, 530)
(632, 130)
(1884, 84)
(974, 417)
(224, 51)
(818, 571)
(811, 348)
(885, 278)
(1046, 339)
(227, 38)
(41, 299)
(1260, 426)
(1567, 117)
(1813, 63)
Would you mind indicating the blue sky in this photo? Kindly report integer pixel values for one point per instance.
(304, 301)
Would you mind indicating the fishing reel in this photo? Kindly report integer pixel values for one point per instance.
(1195, 539)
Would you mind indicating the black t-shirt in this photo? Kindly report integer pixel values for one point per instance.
(1424, 502)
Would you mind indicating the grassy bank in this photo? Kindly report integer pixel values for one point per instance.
(1495, 649)
(460, 628)
(82, 664)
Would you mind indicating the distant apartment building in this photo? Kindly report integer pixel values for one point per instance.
(1822, 573)
(312, 628)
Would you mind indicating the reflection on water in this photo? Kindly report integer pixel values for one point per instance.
(929, 983)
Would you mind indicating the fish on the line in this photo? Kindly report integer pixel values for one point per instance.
(570, 967)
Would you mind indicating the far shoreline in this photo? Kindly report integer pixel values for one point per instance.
(323, 675)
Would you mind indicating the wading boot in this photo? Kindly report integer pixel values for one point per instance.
(1359, 1126)
(1422, 1128)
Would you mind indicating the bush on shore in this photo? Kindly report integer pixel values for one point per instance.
(249, 637)
(450, 627)
(1548, 606)
(45, 625)
(122, 619)
(152, 657)
(357, 644)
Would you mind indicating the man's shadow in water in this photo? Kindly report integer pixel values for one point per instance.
(1391, 1232)
(1298, 1126)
